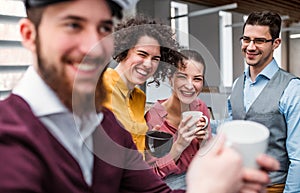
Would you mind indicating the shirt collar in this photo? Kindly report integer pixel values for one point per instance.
(160, 109)
(120, 84)
(41, 98)
(195, 105)
(88, 124)
(268, 71)
(43, 102)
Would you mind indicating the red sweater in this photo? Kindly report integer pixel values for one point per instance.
(33, 161)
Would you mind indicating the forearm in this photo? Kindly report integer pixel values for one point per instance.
(162, 166)
(176, 151)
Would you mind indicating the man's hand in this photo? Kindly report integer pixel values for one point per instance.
(256, 180)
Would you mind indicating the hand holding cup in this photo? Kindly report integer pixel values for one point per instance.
(196, 115)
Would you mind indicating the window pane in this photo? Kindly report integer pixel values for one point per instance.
(12, 8)
(14, 56)
(9, 79)
(226, 49)
(9, 32)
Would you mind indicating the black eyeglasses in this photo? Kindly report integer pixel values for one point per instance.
(257, 41)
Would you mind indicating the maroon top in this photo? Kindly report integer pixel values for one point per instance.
(33, 161)
(165, 166)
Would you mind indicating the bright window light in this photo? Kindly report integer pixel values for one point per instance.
(180, 25)
(226, 49)
(294, 36)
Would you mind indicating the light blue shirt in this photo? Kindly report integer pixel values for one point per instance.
(72, 132)
(289, 106)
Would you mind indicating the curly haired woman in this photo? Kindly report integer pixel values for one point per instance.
(144, 48)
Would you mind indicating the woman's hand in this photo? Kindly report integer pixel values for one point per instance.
(184, 137)
(201, 131)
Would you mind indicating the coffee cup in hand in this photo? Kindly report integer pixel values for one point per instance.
(248, 138)
(158, 143)
(196, 115)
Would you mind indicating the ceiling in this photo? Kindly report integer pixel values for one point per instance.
(289, 8)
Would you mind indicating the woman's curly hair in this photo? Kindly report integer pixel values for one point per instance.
(131, 30)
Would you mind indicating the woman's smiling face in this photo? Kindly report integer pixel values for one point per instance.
(141, 61)
(188, 82)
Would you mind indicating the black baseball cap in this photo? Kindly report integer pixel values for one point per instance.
(40, 3)
(116, 6)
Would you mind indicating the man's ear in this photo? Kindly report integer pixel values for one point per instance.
(28, 34)
(276, 43)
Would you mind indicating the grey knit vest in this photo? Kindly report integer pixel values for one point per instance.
(265, 110)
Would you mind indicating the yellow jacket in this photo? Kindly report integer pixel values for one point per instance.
(128, 106)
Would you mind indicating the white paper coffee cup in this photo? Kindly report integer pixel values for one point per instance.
(247, 137)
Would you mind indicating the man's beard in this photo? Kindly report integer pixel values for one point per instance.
(79, 103)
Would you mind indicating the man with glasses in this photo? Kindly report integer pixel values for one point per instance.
(267, 94)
